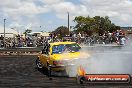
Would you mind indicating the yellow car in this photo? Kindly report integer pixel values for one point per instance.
(58, 55)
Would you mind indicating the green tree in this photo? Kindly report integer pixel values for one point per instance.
(26, 32)
(61, 31)
(83, 24)
(95, 24)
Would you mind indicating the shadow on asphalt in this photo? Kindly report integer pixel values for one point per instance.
(61, 74)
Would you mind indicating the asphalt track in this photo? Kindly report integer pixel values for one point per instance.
(20, 72)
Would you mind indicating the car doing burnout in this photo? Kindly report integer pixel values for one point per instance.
(58, 55)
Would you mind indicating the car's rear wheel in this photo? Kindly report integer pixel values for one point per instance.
(38, 64)
(49, 69)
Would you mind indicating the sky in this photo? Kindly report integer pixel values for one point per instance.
(47, 15)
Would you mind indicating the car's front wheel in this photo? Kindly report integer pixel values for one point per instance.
(38, 64)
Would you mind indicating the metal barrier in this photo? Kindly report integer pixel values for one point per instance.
(20, 51)
(36, 50)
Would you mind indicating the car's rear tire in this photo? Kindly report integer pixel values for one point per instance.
(49, 70)
(38, 64)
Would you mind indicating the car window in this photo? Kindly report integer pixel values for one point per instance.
(56, 49)
(73, 47)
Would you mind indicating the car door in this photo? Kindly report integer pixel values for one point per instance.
(42, 57)
(45, 55)
(46, 60)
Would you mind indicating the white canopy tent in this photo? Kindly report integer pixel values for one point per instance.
(45, 34)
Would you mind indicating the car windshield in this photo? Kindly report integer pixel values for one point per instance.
(56, 49)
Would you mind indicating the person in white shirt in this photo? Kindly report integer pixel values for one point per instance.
(122, 41)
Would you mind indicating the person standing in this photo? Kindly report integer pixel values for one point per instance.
(122, 40)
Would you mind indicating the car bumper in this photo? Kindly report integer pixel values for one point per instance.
(60, 67)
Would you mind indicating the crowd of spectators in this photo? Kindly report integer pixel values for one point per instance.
(117, 37)
(20, 41)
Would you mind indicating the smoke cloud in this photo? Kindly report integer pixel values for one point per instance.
(103, 60)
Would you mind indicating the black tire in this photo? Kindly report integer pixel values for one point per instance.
(49, 70)
(82, 80)
(38, 64)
